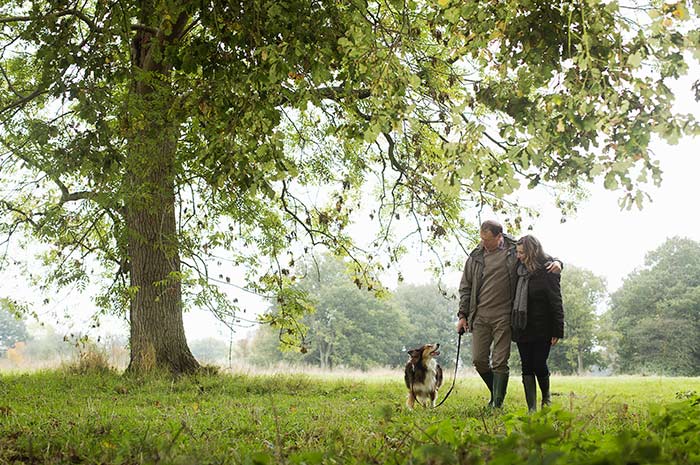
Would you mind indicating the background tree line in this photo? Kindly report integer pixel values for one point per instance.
(651, 324)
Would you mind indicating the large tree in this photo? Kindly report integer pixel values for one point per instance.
(145, 136)
(656, 312)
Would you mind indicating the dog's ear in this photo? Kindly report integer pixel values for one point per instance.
(413, 353)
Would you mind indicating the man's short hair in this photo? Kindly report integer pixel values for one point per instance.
(493, 226)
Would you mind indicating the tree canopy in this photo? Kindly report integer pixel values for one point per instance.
(147, 139)
(656, 312)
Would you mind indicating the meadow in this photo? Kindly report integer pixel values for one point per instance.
(64, 417)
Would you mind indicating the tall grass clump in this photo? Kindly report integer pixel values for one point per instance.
(90, 360)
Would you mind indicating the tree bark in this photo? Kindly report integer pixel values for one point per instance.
(157, 331)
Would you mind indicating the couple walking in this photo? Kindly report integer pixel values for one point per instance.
(510, 290)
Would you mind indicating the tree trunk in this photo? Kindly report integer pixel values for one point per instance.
(325, 351)
(580, 362)
(321, 356)
(157, 331)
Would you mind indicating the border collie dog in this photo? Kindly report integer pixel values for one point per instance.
(423, 375)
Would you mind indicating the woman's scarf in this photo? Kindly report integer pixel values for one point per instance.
(518, 317)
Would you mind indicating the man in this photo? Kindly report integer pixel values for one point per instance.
(486, 294)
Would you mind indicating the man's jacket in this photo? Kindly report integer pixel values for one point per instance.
(473, 275)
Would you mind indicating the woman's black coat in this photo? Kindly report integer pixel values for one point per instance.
(545, 312)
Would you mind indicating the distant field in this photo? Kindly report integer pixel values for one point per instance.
(55, 417)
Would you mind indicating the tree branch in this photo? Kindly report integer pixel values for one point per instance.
(488, 136)
(179, 27)
(336, 93)
(66, 195)
(143, 27)
(74, 196)
(392, 155)
(23, 100)
(15, 19)
(27, 218)
(9, 83)
(68, 12)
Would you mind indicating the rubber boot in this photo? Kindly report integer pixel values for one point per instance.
(530, 392)
(543, 381)
(500, 386)
(488, 379)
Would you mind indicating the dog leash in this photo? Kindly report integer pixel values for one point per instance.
(454, 378)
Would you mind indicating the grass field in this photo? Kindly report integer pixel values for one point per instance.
(56, 417)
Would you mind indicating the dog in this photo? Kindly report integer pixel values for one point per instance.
(423, 375)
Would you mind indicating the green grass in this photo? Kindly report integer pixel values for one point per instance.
(61, 418)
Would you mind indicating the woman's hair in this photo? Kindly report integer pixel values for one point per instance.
(534, 254)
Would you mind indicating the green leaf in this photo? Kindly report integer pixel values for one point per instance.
(452, 14)
(610, 181)
(635, 59)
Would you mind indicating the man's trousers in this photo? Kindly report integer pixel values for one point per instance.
(487, 330)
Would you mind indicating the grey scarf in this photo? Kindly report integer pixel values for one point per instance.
(518, 317)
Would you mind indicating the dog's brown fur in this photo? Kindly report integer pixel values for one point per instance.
(423, 375)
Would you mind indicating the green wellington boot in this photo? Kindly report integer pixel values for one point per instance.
(500, 386)
(488, 379)
(530, 386)
(543, 381)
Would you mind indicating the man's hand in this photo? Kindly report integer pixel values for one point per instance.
(462, 326)
(554, 267)
(555, 340)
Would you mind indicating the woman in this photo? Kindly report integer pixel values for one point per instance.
(538, 317)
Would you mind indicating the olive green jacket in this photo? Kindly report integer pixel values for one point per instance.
(473, 275)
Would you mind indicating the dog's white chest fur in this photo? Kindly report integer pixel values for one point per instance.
(429, 385)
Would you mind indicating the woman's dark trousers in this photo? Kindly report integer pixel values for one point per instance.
(533, 355)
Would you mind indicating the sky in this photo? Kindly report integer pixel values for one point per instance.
(606, 240)
(612, 242)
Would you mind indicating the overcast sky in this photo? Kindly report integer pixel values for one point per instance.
(613, 242)
(600, 237)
